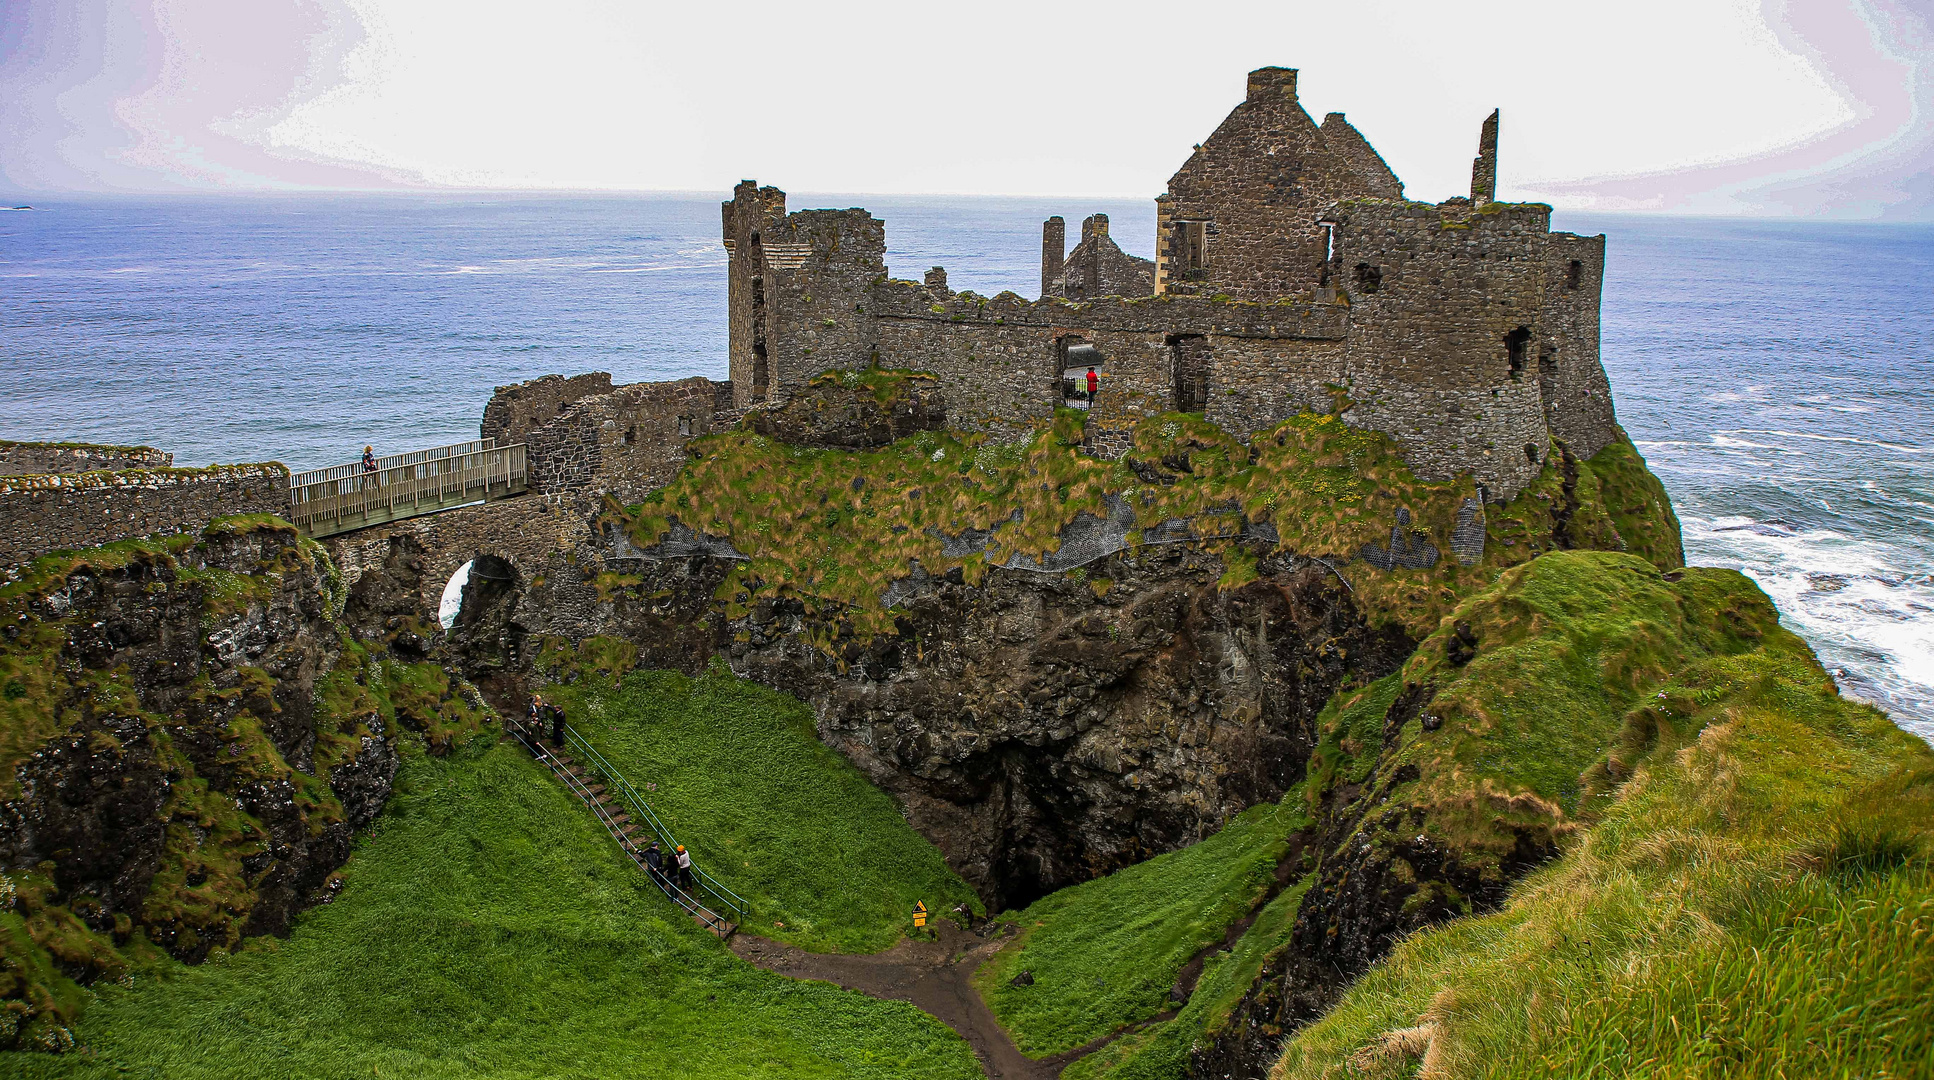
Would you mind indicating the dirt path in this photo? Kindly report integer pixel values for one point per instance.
(935, 976)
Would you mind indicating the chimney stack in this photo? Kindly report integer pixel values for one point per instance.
(1054, 248)
(1484, 167)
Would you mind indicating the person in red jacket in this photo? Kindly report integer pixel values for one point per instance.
(1094, 383)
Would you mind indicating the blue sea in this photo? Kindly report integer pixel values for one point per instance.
(1778, 376)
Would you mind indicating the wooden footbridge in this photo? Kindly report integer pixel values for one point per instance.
(343, 498)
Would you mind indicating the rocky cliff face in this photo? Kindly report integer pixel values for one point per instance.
(190, 743)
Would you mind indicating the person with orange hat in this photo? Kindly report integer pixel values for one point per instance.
(684, 861)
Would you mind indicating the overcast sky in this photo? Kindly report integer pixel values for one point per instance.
(1710, 106)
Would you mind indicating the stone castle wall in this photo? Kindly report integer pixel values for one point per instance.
(1430, 358)
(30, 458)
(628, 442)
(515, 411)
(1253, 193)
(1096, 267)
(40, 514)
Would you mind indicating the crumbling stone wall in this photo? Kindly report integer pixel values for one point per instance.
(625, 443)
(797, 291)
(515, 411)
(1096, 267)
(39, 514)
(1571, 376)
(1249, 198)
(31, 458)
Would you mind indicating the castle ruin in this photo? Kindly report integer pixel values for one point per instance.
(1291, 275)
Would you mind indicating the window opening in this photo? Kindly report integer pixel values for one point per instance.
(1515, 344)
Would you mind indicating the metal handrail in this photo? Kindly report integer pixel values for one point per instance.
(391, 461)
(641, 810)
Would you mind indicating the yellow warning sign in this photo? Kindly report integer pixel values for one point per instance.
(919, 914)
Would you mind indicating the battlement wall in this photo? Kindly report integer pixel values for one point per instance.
(29, 458)
(515, 411)
(45, 513)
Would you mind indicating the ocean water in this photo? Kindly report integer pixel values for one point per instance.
(1778, 376)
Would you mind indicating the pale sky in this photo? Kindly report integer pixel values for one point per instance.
(1818, 107)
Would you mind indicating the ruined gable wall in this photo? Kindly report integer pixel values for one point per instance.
(1098, 267)
(1571, 376)
(515, 411)
(1373, 174)
(1261, 181)
(39, 514)
(30, 458)
(1435, 292)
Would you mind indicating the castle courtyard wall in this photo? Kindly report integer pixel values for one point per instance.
(513, 412)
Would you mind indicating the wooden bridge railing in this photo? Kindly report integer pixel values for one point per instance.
(323, 502)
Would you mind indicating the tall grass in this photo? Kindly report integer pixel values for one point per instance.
(1104, 954)
(488, 928)
(1757, 902)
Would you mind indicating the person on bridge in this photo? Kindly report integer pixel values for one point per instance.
(655, 863)
(1094, 384)
(684, 868)
(369, 464)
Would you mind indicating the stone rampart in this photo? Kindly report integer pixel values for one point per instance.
(516, 411)
(31, 458)
(39, 514)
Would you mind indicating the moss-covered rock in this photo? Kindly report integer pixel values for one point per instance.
(187, 739)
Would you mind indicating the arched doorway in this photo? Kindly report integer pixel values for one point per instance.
(478, 611)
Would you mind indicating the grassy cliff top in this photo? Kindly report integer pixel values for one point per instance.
(1755, 899)
(835, 527)
(489, 927)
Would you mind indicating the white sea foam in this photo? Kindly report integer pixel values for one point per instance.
(1850, 597)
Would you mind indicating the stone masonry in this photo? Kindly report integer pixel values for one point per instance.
(1096, 267)
(1291, 275)
(39, 514)
(28, 458)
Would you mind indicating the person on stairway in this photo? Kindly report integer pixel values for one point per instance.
(534, 718)
(557, 726)
(655, 863)
(684, 868)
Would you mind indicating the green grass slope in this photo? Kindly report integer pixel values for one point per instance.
(1103, 954)
(1757, 901)
(488, 928)
(824, 857)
